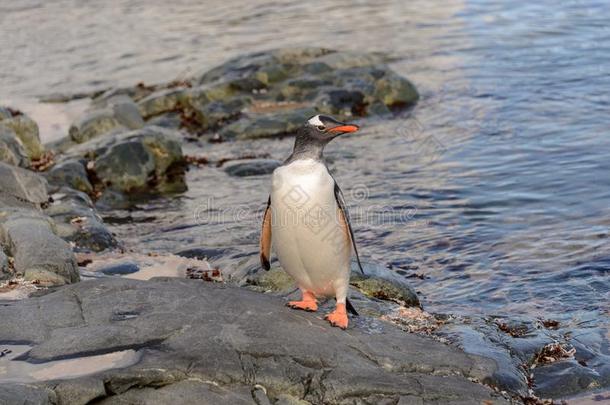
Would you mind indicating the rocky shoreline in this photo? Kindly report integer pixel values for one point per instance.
(224, 334)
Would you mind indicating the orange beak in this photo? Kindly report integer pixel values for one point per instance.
(344, 129)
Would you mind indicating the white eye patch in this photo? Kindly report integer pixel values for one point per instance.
(315, 121)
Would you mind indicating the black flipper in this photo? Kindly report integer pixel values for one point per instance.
(350, 308)
(343, 208)
(265, 239)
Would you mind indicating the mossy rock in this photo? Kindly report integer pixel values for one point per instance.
(70, 173)
(271, 93)
(382, 283)
(26, 130)
(12, 151)
(145, 161)
(394, 90)
(163, 101)
(275, 280)
(93, 124)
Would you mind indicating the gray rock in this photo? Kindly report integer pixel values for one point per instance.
(484, 340)
(209, 92)
(513, 343)
(38, 252)
(5, 271)
(284, 399)
(268, 93)
(565, 378)
(80, 392)
(383, 283)
(71, 173)
(93, 124)
(187, 392)
(126, 166)
(265, 125)
(205, 253)
(346, 84)
(113, 199)
(309, 80)
(19, 187)
(27, 394)
(136, 93)
(207, 341)
(349, 59)
(145, 160)
(591, 351)
(251, 167)
(120, 269)
(263, 94)
(163, 101)
(61, 145)
(341, 102)
(124, 109)
(77, 221)
(4, 113)
(300, 89)
(216, 113)
(26, 130)
(171, 120)
(394, 90)
(517, 341)
(11, 149)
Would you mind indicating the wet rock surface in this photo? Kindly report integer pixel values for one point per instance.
(251, 167)
(78, 222)
(203, 253)
(202, 340)
(120, 269)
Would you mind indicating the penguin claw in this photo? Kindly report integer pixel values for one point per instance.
(338, 317)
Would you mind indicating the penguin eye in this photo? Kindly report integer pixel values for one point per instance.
(321, 127)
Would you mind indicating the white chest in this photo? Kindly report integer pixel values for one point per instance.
(302, 184)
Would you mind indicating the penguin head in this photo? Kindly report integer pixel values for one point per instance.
(325, 128)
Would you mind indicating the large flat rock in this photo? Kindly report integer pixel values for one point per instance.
(203, 343)
(20, 187)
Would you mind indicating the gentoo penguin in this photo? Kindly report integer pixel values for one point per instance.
(307, 223)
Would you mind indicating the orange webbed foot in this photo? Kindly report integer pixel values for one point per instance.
(308, 303)
(338, 317)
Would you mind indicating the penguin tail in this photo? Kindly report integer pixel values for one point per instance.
(350, 308)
